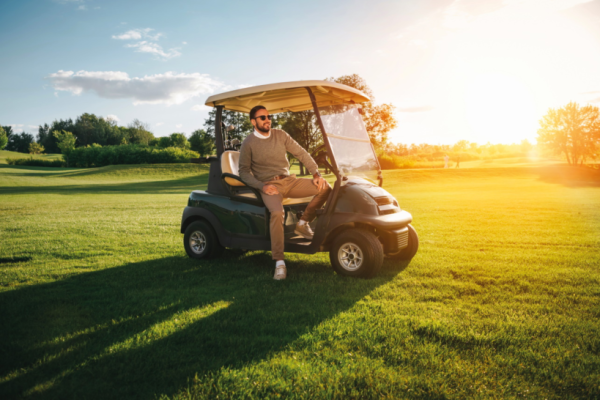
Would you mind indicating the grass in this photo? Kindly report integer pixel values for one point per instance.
(99, 300)
(4, 154)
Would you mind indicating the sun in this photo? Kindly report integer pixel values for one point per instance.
(499, 108)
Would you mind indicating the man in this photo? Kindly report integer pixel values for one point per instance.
(264, 166)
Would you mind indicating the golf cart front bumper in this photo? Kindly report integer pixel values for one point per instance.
(392, 229)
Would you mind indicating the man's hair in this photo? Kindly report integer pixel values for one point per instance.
(255, 109)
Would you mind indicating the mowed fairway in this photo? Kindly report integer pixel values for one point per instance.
(99, 300)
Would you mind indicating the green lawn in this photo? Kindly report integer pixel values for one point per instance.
(4, 154)
(99, 300)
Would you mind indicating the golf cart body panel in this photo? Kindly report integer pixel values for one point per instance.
(238, 216)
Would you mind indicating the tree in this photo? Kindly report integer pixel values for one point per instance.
(573, 131)
(240, 121)
(164, 142)
(35, 148)
(66, 143)
(202, 142)
(379, 120)
(179, 140)
(139, 132)
(19, 142)
(302, 127)
(460, 146)
(3, 138)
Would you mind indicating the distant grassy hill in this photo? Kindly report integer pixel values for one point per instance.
(4, 154)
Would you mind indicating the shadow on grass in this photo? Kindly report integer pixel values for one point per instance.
(130, 331)
(570, 176)
(175, 186)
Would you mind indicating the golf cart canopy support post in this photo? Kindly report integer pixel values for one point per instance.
(219, 131)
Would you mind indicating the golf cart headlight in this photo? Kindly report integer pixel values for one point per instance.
(387, 205)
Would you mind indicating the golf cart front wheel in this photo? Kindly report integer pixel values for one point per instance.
(356, 252)
(200, 241)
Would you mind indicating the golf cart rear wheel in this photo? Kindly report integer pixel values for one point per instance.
(356, 252)
(409, 251)
(200, 241)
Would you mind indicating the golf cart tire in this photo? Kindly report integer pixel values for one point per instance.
(409, 251)
(197, 232)
(361, 242)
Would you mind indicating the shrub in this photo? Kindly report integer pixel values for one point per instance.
(392, 161)
(35, 148)
(97, 156)
(35, 162)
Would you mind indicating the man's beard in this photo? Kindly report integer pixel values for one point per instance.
(263, 129)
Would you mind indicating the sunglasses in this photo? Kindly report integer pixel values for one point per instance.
(264, 117)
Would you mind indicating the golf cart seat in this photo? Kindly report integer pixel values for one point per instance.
(230, 163)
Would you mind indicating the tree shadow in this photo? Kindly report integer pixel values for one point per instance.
(175, 186)
(146, 328)
(570, 176)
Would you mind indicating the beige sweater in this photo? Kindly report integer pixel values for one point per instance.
(262, 159)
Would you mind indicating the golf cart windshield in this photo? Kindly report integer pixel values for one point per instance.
(349, 141)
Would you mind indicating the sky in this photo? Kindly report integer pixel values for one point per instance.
(476, 70)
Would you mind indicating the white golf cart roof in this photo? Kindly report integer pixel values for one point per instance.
(287, 96)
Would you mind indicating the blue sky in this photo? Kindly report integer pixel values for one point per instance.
(450, 67)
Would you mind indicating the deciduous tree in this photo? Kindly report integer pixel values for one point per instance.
(240, 121)
(202, 142)
(179, 140)
(573, 131)
(3, 138)
(19, 142)
(66, 143)
(379, 120)
(35, 148)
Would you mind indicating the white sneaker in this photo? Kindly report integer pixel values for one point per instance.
(280, 272)
(304, 231)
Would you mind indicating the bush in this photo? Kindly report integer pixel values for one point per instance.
(392, 161)
(97, 156)
(35, 162)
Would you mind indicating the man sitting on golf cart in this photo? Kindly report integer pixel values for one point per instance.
(264, 166)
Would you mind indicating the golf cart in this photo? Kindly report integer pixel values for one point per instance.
(360, 223)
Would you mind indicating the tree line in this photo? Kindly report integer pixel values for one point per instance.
(572, 131)
(89, 129)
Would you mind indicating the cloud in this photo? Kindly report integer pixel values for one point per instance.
(137, 34)
(33, 126)
(201, 107)
(178, 125)
(155, 49)
(112, 117)
(159, 123)
(168, 88)
(416, 109)
(82, 7)
(146, 43)
(17, 128)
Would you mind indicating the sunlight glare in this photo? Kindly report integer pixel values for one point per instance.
(499, 108)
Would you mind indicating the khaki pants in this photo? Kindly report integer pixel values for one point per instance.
(290, 187)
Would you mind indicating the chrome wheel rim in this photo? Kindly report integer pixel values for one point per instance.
(350, 256)
(197, 242)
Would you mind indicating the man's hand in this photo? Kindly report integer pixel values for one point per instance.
(270, 190)
(320, 182)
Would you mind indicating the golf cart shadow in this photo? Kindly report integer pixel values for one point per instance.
(147, 328)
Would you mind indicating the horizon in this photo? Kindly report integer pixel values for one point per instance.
(484, 72)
